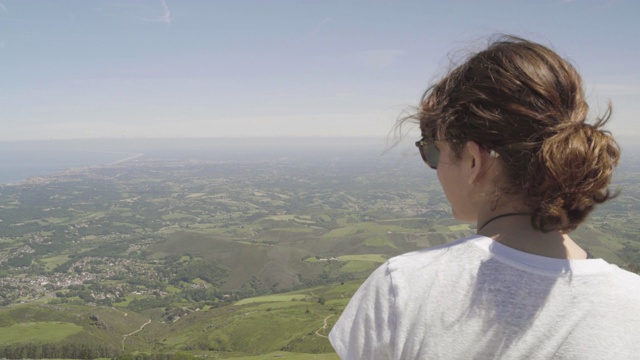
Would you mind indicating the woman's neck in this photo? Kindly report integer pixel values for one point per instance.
(515, 231)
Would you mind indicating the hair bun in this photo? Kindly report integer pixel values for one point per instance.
(575, 165)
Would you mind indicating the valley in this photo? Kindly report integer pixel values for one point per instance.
(237, 258)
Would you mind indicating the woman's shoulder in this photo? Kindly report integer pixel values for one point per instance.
(627, 281)
(440, 250)
(459, 253)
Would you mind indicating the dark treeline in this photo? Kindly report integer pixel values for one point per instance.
(159, 356)
(30, 350)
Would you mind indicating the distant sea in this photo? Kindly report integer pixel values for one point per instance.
(24, 159)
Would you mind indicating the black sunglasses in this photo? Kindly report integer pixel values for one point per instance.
(429, 152)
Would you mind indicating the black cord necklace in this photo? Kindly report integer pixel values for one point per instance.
(500, 216)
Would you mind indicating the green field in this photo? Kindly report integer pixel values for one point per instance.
(46, 332)
(345, 231)
(176, 216)
(52, 262)
(292, 356)
(460, 227)
(271, 298)
(358, 266)
(297, 218)
(379, 241)
(366, 257)
(361, 263)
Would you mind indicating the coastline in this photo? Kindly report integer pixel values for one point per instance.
(35, 168)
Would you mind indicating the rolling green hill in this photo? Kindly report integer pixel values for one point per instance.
(288, 323)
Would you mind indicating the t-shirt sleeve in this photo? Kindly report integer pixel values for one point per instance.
(365, 328)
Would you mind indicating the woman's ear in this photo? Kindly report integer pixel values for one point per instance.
(474, 161)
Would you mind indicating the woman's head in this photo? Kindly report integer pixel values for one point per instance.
(522, 101)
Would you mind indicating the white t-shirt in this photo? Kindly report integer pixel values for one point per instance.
(478, 299)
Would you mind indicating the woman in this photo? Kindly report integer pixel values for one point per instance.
(506, 132)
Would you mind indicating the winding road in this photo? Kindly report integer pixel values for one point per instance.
(124, 337)
(323, 327)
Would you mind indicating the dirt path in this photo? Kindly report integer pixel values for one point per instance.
(124, 337)
(125, 314)
(323, 327)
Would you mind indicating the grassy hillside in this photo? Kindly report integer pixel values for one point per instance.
(281, 325)
(295, 322)
(69, 326)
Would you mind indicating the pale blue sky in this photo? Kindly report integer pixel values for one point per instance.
(153, 68)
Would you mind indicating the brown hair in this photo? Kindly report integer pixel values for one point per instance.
(524, 101)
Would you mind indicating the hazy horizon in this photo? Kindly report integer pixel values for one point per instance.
(388, 140)
(23, 159)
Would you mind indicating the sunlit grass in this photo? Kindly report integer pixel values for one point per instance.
(176, 216)
(358, 266)
(271, 298)
(50, 263)
(365, 257)
(461, 227)
(46, 332)
(288, 355)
